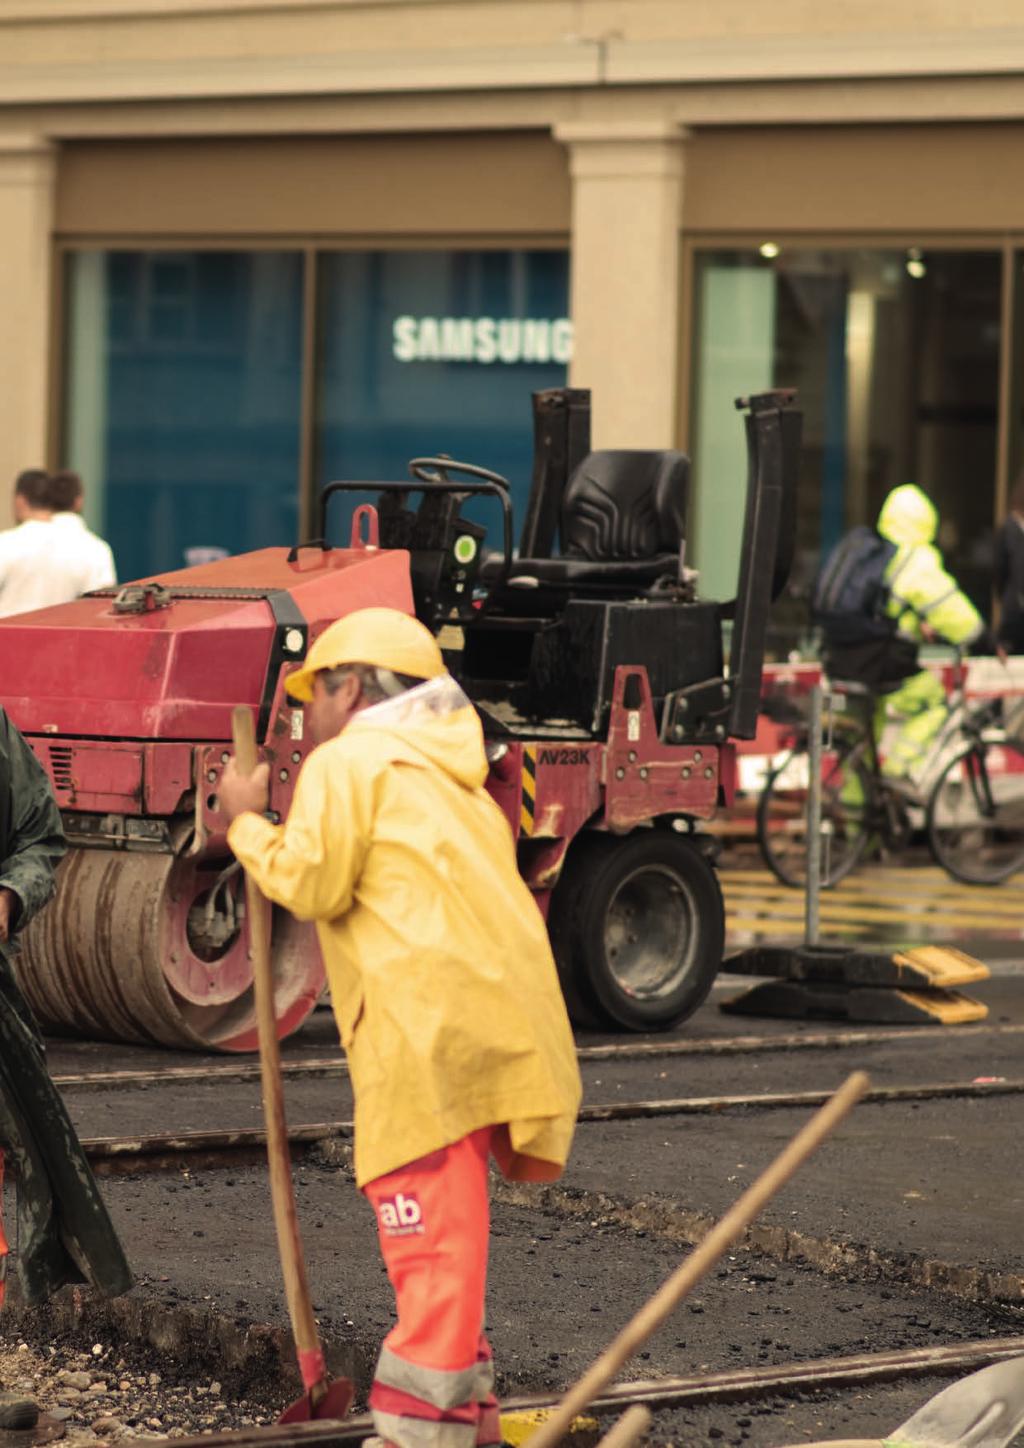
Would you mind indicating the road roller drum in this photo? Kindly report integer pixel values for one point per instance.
(155, 949)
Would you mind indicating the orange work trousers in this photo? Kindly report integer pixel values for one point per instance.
(433, 1387)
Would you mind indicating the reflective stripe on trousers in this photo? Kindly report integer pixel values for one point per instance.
(434, 1378)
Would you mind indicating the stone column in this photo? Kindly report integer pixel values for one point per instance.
(627, 183)
(27, 172)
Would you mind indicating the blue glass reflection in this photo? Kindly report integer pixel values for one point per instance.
(437, 351)
(199, 446)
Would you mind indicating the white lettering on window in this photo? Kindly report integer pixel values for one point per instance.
(508, 340)
(485, 333)
(403, 339)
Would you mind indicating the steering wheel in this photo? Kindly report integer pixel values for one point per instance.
(431, 470)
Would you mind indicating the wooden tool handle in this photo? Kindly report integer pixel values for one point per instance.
(626, 1430)
(701, 1260)
(296, 1284)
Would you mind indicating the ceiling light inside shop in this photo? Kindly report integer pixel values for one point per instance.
(769, 249)
(915, 264)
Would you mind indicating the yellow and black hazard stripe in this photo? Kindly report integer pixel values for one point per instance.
(528, 806)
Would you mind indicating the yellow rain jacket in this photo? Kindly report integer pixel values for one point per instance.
(921, 591)
(441, 975)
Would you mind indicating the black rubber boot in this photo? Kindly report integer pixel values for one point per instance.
(17, 1413)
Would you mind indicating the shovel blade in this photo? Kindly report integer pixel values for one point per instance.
(332, 1403)
(985, 1410)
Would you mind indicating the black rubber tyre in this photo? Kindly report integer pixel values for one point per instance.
(976, 813)
(782, 815)
(638, 928)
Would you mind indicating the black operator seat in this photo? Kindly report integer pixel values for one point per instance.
(622, 525)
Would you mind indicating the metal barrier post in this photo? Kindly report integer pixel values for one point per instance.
(814, 751)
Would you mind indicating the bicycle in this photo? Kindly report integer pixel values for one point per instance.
(970, 797)
(975, 812)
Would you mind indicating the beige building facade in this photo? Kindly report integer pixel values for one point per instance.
(246, 245)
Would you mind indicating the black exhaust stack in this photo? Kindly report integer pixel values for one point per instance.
(774, 427)
(723, 707)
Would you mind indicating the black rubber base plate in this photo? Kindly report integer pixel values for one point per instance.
(877, 1005)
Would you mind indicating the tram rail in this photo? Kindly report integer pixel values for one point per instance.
(115, 1154)
(738, 1386)
(613, 1051)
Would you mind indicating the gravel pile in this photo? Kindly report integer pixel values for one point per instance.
(98, 1395)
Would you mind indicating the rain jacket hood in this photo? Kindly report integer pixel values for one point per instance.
(436, 723)
(922, 594)
(908, 516)
(442, 979)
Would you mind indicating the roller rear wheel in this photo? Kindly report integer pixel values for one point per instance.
(638, 927)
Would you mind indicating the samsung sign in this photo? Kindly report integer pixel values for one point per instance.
(482, 339)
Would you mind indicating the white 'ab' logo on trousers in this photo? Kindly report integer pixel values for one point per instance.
(401, 1215)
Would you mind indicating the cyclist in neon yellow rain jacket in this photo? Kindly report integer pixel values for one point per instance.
(924, 601)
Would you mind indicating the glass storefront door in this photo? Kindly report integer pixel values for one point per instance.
(896, 357)
(182, 400)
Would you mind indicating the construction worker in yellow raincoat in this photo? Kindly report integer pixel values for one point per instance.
(917, 599)
(443, 985)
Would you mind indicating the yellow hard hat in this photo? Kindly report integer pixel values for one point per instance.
(380, 636)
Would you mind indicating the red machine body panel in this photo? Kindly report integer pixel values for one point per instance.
(128, 778)
(83, 671)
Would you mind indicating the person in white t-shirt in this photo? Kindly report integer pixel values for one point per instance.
(50, 556)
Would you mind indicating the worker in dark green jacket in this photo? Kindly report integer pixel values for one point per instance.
(65, 1234)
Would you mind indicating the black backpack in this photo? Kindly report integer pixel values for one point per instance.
(851, 594)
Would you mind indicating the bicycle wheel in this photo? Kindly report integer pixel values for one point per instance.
(976, 813)
(845, 803)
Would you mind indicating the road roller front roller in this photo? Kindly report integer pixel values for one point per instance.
(598, 674)
(155, 948)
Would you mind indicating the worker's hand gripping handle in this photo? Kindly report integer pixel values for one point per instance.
(311, 1361)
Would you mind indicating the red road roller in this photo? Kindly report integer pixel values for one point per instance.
(598, 673)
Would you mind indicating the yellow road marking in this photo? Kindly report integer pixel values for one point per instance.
(759, 925)
(871, 875)
(830, 911)
(927, 907)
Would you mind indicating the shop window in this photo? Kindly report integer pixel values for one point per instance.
(896, 357)
(183, 382)
(437, 351)
(183, 400)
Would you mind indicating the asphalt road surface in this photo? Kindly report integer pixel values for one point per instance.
(902, 1233)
